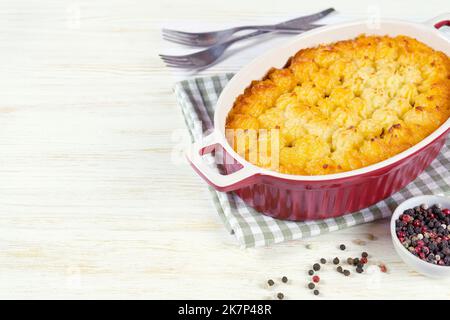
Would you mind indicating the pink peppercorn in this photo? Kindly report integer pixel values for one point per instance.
(417, 223)
(406, 218)
(446, 211)
(316, 279)
(363, 260)
(420, 243)
(422, 255)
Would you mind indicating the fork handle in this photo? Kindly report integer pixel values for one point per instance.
(307, 19)
(236, 39)
(302, 23)
(280, 28)
(259, 32)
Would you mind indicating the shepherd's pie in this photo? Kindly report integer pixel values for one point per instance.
(342, 106)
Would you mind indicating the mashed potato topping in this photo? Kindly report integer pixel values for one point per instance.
(342, 106)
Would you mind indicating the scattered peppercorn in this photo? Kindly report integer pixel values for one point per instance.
(270, 282)
(284, 279)
(359, 262)
(280, 296)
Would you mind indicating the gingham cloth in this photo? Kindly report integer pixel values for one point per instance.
(197, 98)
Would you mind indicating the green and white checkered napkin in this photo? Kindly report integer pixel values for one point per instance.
(197, 98)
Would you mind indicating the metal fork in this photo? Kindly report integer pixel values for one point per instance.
(206, 57)
(205, 39)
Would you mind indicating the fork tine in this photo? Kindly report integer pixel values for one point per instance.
(179, 40)
(180, 34)
(180, 66)
(178, 63)
(174, 58)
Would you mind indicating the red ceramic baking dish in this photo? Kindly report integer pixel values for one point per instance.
(295, 197)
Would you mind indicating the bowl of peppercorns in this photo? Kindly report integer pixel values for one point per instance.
(420, 229)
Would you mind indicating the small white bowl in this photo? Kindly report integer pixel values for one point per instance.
(423, 267)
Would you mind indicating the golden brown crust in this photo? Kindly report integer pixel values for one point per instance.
(343, 106)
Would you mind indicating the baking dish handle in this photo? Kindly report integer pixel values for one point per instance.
(439, 21)
(236, 180)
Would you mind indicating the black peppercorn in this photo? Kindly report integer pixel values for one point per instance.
(346, 273)
(364, 254)
(311, 285)
(323, 261)
(280, 296)
(311, 272)
(270, 282)
(316, 292)
(350, 261)
(342, 247)
(336, 260)
(316, 267)
(284, 279)
(447, 260)
(339, 269)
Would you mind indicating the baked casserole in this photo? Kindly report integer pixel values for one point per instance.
(342, 106)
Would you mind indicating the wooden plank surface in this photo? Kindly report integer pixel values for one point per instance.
(94, 200)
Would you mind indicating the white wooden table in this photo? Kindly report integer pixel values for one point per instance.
(92, 204)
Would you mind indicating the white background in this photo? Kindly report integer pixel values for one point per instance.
(92, 203)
